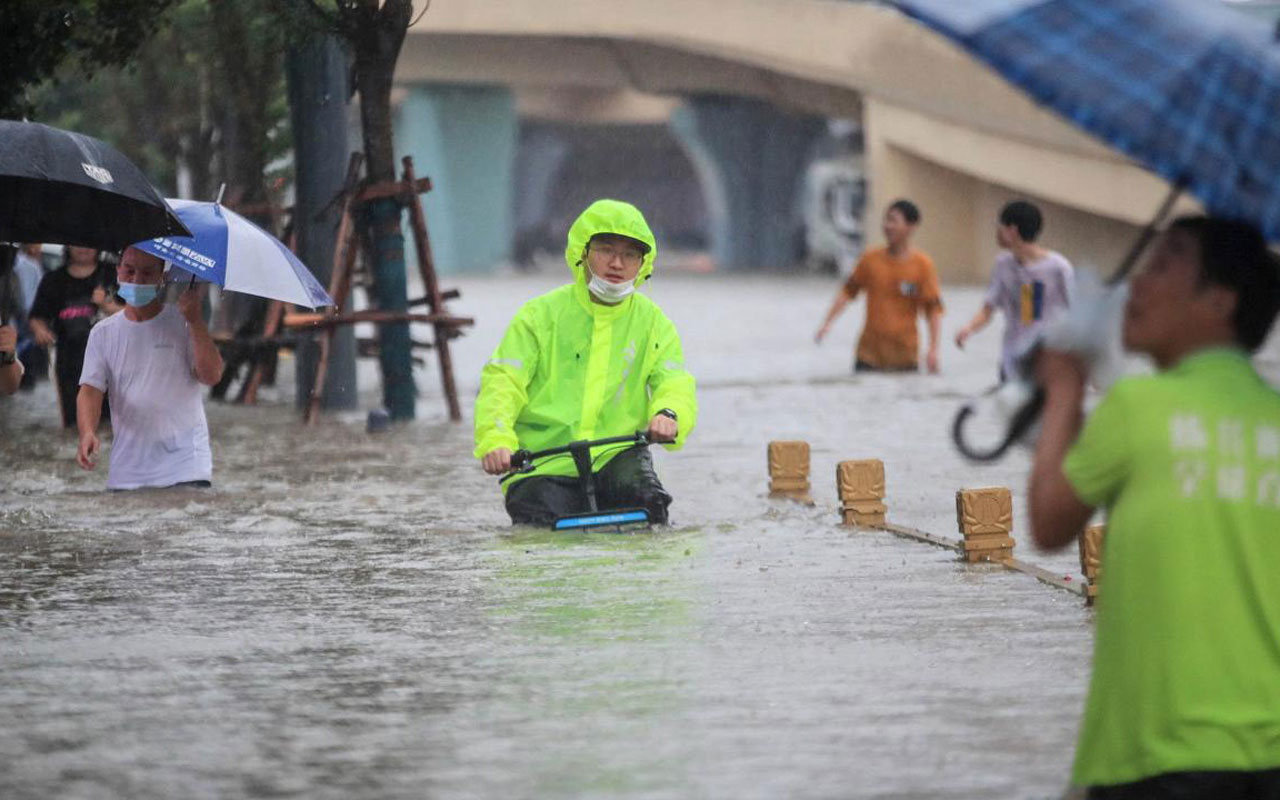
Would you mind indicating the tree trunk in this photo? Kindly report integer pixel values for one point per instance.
(250, 65)
(378, 36)
(317, 79)
(248, 62)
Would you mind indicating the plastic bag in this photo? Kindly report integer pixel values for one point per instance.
(1091, 328)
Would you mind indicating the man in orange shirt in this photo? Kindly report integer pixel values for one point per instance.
(900, 283)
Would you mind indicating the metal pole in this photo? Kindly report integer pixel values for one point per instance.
(1144, 238)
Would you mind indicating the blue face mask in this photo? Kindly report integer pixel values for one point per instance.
(138, 294)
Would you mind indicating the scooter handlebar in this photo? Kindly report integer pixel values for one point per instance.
(522, 459)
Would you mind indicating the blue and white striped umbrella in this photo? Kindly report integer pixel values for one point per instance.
(1188, 88)
(231, 251)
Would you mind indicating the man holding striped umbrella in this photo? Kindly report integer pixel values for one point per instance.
(153, 360)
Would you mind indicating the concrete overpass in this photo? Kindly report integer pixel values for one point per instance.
(745, 86)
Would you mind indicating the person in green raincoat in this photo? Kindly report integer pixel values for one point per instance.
(589, 360)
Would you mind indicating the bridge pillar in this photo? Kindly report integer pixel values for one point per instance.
(750, 158)
(541, 155)
(464, 139)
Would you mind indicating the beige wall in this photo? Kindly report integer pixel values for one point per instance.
(815, 55)
(945, 197)
(1085, 239)
(959, 217)
(960, 177)
(594, 107)
(940, 127)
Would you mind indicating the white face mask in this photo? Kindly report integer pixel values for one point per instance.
(609, 292)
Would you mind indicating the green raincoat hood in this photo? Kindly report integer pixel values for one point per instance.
(609, 216)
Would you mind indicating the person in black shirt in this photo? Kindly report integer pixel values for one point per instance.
(68, 303)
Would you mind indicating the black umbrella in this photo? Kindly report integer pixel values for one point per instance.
(68, 188)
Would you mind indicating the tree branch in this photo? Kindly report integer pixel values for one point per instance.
(426, 7)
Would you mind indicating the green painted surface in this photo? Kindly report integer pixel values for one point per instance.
(464, 140)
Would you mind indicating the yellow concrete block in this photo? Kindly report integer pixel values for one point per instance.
(982, 511)
(864, 514)
(974, 556)
(788, 485)
(864, 507)
(862, 479)
(867, 520)
(789, 460)
(1091, 560)
(988, 541)
(1091, 550)
(860, 485)
(789, 470)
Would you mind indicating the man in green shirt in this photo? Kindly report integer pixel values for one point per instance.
(1185, 695)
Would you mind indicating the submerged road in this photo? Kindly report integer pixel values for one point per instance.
(348, 615)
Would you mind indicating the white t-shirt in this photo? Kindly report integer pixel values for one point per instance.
(157, 405)
(1030, 296)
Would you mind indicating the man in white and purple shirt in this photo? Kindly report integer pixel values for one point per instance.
(1030, 284)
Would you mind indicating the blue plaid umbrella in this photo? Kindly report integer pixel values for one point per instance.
(1188, 88)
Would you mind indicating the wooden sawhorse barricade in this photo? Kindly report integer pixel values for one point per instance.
(351, 240)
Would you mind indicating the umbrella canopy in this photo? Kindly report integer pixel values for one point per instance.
(231, 251)
(1188, 88)
(67, 188)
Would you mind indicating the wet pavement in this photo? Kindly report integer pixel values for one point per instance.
(349, 615)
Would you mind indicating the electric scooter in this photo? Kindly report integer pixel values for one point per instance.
(522, 462)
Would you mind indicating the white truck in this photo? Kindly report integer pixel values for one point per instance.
(834, 192)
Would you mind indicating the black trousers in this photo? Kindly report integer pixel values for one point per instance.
(35, 362)
(862, 366)
(1261, 785)
(628, 481)
(67, 368)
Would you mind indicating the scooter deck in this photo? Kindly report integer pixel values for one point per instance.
(625, 518)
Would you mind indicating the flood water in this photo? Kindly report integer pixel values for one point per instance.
(349, 615)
